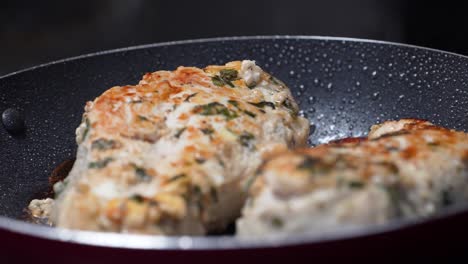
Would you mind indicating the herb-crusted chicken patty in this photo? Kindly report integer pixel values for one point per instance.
(171, 155)
(404, 169)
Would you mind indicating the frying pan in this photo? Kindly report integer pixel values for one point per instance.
(343, 86)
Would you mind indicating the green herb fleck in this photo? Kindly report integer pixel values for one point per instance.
(200, 160)
(179, 132)
(190, 96)
(277, 222)
(197, 196)
(58, 187)
(395, 196)
(246, 139)
(250, 181)
(196, 190)
(177, 177)
(230, 84)
(207, 131)
(400, 200)
(221, 162)
(214, 194)
(142, 174)
(137, 198)
(228, 74)
(252, 85)
(86, 130)
(225, 77)
(142, 118)
(355, 184)
(274, 80)
(315, 167)
(290, 106)
(217, 81)
(250, 114)
(234, 103)
(100, 163)
(103, 144)
(263, 104)
(216, 108)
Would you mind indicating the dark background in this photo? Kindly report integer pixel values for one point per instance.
(33, 32)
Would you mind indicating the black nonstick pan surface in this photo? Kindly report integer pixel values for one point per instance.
(343, 86)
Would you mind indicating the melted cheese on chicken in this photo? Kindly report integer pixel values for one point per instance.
(171, 155)
(404, 169)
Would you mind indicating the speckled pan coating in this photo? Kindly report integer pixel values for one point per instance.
(342, 85)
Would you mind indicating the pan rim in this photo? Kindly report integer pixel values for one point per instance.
(147, 242)
(232, 38)
(198, 243)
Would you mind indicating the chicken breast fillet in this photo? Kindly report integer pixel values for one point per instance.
(404, 169)
(171, 154)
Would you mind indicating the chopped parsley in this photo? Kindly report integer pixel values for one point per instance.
(289, 105)
(250, 113)
(394, 193)
(221, 162)
(177, 177)
(274, 80)
(207, 131)
(215, 108)
(252, 85)
(197, 195)
(142, 174)
(196, 190)
(100, 163)
(228, 74)
(225, 77)
(200, 160)
(263, 104)
(316, 167)
(86, 130)
(214, 194)
(137, 198)
(250, 181)
(103, 144)
(190, 96)
(234, 103)
(246, 138)
(217, 81)
(356, 184)
(277, 222)
(179, 132)
(59, 186)
(399, 199)
(142, 118)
